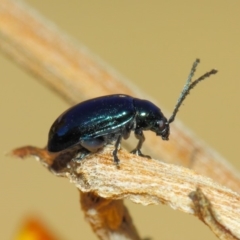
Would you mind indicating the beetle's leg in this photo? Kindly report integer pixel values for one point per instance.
(139, 135)
(117, 145)
(126, 133)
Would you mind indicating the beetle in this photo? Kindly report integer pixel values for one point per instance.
(92, 124)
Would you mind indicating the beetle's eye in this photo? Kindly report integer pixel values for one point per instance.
(161, 124)
(163, 129)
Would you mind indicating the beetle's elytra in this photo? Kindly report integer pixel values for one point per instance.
(92, 124)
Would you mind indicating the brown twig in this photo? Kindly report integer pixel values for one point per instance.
(204, 210)
(108, 218)
(144, 181)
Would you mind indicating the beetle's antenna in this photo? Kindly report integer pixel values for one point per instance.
(188, 86)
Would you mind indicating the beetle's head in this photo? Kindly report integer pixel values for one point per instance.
(163, 129)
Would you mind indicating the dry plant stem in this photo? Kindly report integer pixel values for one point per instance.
(144, 181)
(74, 74)
(108, 218)
(203, 209)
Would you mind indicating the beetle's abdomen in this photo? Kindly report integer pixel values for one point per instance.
(91, 119)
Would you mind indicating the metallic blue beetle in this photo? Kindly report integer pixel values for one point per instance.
(96, 122)
(92, 124)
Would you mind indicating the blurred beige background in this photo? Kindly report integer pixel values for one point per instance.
(153, 43)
